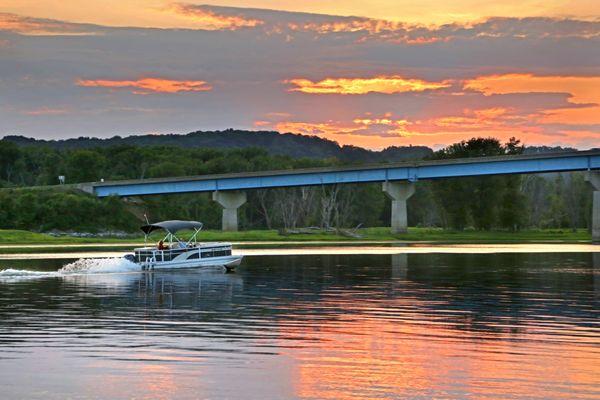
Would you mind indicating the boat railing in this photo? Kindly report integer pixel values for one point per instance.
(153, 254)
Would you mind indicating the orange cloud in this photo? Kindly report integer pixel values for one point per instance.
(210, 20)
(149, 13)
(316, 128)
(380, 84)
(149, 85)
(377, 132)
(583, 91)
(375, 29)
(35, 26)
(497, 121)
(365, 131)
(348, 25)
(578, 116)
(363, 29)
(478, 119)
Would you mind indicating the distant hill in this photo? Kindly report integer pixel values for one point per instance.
(289, 144)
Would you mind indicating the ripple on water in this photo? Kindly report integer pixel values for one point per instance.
(449, 326)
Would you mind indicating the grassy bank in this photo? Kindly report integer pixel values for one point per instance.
(17, 237)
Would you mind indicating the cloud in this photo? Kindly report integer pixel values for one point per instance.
(429, 84)
(380, 84)
(583, 105)
(316, 128)
(377, 131)
(46, 111)
(369, 132)
(583, 89)
(362, 29)
(38, 26)
(385, 126)
(492, 28)
(290, 25)
(148, 85)
(345, 133)
(208, 19)
(499, 120)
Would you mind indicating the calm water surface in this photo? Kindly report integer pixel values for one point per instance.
(452, 326)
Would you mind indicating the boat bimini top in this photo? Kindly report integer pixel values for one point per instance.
(172, 227)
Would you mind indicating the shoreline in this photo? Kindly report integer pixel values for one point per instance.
(297, 243)
(410, 248)
(13, 239)
(7, 250)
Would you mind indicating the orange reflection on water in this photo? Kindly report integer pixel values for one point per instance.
(147, 380)
(385, 350)
(158, 381)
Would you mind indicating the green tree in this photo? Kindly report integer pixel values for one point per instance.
(9, 154)
(485, 202)
(84, 166)
(165, 169)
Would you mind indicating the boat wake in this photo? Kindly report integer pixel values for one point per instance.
(99, 266)
(11, 273)
(83, 266)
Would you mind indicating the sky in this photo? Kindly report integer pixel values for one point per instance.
(367, 73)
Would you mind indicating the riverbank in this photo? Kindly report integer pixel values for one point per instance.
(326, 250)
(17, 238)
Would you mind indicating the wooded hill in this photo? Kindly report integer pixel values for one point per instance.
(287, 144)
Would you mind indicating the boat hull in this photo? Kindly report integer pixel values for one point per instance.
(228, 262)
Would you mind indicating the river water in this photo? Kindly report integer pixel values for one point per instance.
(344, 326)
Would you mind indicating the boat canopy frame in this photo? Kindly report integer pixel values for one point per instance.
(171, 227)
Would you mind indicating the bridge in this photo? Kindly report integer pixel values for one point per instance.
(398, 180)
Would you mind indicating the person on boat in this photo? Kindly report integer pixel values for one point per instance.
(161, 245)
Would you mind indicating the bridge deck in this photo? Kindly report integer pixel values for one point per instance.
(411, 171)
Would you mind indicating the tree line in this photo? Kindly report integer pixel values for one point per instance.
(509, 202)
(288, 144)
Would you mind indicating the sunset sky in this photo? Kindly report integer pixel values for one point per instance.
(368, 73)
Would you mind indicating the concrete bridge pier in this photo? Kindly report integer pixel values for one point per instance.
(230, 201)
(593, 177)
(399, 192)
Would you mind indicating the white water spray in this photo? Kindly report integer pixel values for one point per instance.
(83, 266)
(99, 266)
(11, 273)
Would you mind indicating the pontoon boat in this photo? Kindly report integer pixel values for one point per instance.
(174, 253)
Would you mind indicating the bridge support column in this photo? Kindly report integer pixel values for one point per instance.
(399, 192)
(593, 177)
(230, 201)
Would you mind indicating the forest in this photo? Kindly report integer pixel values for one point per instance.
(510, 202)
(287, 144)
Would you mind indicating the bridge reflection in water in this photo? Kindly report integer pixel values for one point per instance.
(315, 327)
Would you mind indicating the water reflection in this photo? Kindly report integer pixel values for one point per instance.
(314, 327)
(596, 271)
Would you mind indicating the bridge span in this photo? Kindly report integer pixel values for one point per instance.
(398, 180)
